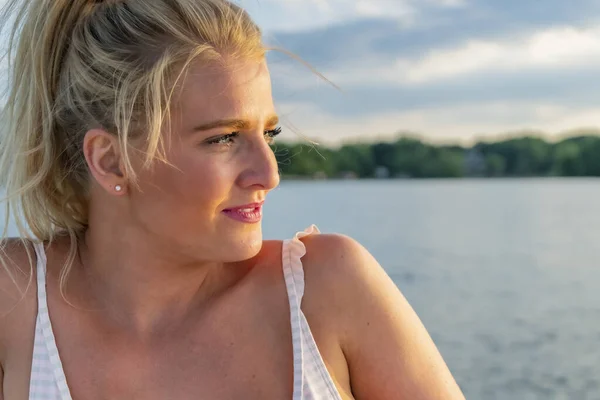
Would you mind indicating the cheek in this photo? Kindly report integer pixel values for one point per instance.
(194, 182)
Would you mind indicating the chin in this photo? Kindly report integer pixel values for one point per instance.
(243, 245)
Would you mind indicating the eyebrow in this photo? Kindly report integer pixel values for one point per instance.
(237, 124)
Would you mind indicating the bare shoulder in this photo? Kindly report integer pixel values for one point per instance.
(335, 266)
(339, 252)
(17, 290)
(337, 269)
(389, 352)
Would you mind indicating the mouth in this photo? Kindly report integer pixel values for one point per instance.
(249, 213)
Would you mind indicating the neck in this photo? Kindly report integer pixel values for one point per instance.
(144, 287)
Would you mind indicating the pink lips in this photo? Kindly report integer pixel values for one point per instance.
(249, 213)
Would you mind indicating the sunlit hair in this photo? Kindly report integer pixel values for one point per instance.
(74, 65)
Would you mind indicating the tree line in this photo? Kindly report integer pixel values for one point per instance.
(410, 157)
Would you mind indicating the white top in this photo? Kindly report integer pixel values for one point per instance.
(312, 381)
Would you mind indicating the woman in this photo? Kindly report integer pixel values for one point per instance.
(136, 148)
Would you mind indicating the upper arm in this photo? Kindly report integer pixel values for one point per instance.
(390, 354)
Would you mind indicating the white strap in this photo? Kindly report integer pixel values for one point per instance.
(43, 319)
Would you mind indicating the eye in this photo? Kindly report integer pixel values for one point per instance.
(271, 134)
(223, 139)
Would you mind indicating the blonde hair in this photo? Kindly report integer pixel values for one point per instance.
(81, 64)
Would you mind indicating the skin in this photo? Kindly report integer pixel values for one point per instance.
(171, 298)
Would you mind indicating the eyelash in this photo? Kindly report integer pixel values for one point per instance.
(225, 140)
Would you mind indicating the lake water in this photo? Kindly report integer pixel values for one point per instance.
(503, 273)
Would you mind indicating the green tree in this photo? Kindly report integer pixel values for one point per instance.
(357, 158)
(568, 160)
(495, 165)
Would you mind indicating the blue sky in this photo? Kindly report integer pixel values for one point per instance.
(450, 70)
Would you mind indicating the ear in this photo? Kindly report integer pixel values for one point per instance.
(103, 156)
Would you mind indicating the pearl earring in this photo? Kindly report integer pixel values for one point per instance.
(118, 188)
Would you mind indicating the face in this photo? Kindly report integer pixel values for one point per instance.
(208, 202)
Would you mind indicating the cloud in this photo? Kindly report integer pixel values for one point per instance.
(452, 3)
(530, 69)
(555, 48)
(305, 15)
(463, 123)
(558, 49)
(452, 72)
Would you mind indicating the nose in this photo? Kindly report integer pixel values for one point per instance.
(261, 170)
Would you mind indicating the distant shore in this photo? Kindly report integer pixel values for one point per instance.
(412, 158)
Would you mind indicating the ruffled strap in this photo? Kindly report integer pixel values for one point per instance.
(292, 252)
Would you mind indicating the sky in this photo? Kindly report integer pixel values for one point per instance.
(447, 70)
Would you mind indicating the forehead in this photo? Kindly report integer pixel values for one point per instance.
(230, 89)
